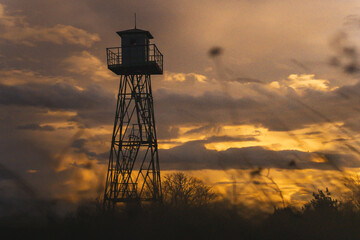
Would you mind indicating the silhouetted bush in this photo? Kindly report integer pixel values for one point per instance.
(322, 201)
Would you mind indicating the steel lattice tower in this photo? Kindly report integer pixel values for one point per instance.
(133, 171)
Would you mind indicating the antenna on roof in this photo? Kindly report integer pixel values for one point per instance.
(135, 20)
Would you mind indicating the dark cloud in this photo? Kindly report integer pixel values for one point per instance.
(221, 138)
(194, 156)
(55, 96)
(36, 126)
(313, 133)
(94, 105)
(35, 164)
(274, 110)
(209, 128)
(167, 131)
(337, 140)
(214, 139)
(209, 107)
(79, 143)
(79, 146)
(209, 111)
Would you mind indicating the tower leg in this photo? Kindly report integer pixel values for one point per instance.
(133, 169)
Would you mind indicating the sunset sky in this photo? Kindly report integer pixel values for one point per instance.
(276, 108)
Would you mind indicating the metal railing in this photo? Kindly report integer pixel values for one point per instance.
(117, 56)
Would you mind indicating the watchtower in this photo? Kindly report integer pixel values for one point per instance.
(133, 171)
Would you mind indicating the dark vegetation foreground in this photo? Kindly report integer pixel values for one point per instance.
(212, 222)
(190, 211)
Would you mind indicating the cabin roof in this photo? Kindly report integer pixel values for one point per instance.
(135, 31)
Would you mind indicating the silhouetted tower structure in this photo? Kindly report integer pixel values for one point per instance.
(133, 171)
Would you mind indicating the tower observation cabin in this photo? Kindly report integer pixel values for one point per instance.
(136, 55)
